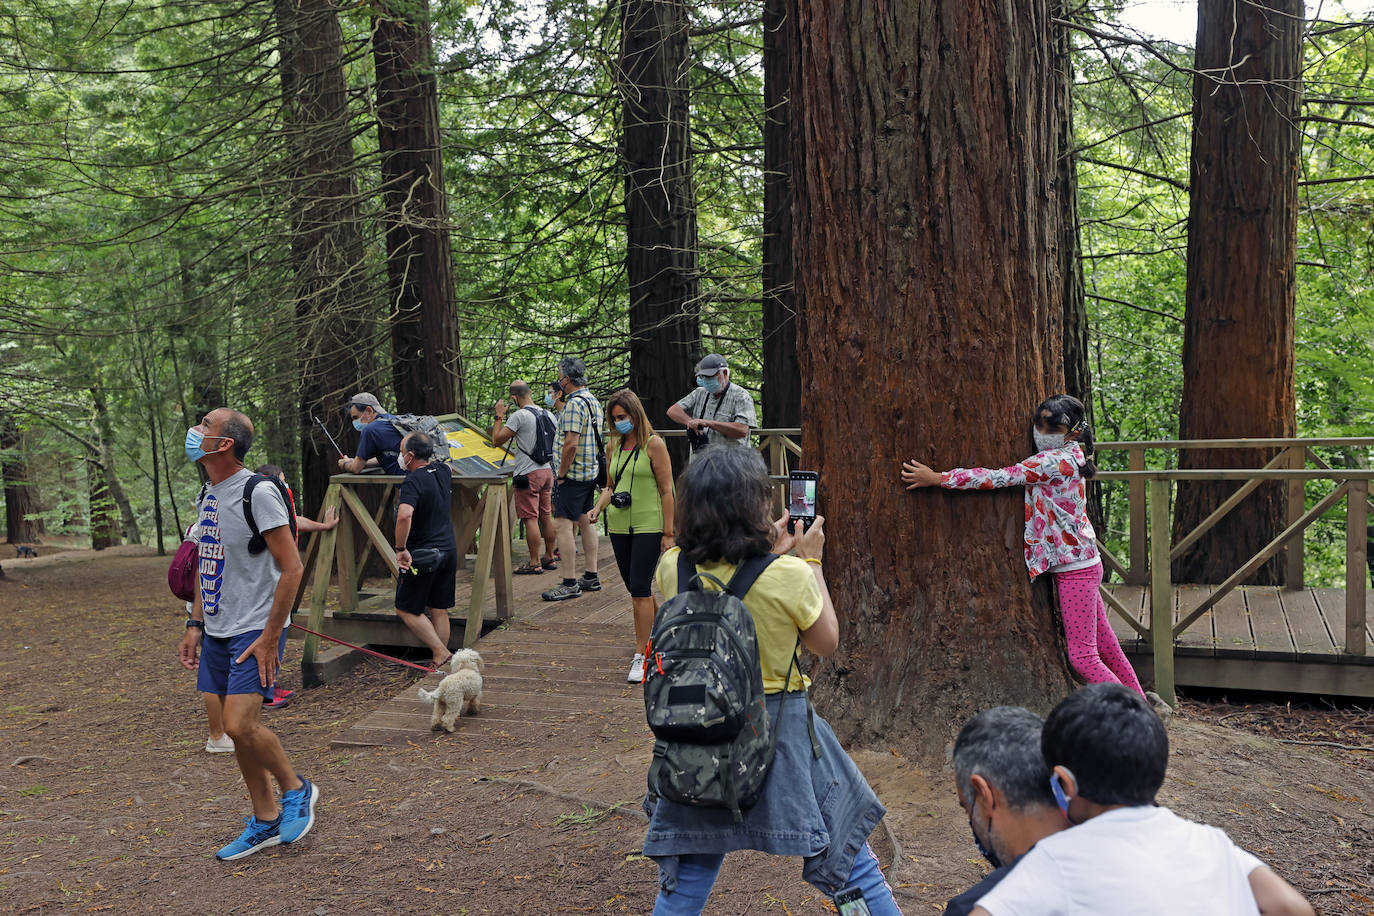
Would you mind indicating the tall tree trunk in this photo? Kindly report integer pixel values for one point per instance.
(1242, 238)
(109, 473)
(781, 376)
(333, 312)
(660, 207)
(426, 360)
(21, 492)
(1078, 377)
(927, 224)
(104, 513)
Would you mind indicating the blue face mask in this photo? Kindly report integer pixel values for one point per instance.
(624, 427)
(358, 424)
(194, 440)
(712, 384)
(548, 400)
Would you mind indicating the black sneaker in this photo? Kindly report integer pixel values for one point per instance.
(589, 583)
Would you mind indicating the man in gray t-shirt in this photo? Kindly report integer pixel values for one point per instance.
(533, 480)
(238, 623)
(716, 412)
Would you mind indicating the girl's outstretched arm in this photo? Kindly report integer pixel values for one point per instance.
(915, 474)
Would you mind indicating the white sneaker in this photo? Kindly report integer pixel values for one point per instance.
(636, 675)
(221, 745)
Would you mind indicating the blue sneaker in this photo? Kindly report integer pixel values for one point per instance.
(256, 836)
(298, 811)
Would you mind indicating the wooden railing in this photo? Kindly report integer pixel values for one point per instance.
(780, 449)
(1150, 532)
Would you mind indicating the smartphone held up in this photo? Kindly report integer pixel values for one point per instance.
(801, 499)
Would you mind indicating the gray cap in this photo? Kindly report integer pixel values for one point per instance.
(364, 399)
(711, 364)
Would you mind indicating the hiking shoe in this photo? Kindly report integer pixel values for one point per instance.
(279, 698)
(636, 675)
(562, 592)
(255, 836)
(1161, 708)
(298, 810)
(221, 745)
(590, 582)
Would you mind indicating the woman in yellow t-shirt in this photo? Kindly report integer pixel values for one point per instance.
(815, 803)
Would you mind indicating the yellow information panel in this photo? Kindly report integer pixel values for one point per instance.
(472, 454)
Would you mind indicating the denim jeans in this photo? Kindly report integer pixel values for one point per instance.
(697, 875)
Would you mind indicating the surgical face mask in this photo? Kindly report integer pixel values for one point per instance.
(548, 400)
(358, 424)
(194, 440)
(1045, 441)
(985, 852)
(711, 384)
(624, 427)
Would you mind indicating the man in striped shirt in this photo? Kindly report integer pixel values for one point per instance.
(579, 432)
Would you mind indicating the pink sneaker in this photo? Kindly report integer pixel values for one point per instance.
(279, 699)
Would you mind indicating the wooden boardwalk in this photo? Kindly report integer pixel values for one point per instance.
(559, 664)
(1256, 638)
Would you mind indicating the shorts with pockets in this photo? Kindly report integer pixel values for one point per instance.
(222, 674)
(536, 500)
(417, 591)
(574, 499)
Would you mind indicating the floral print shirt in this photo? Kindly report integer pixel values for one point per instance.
(1058, 532)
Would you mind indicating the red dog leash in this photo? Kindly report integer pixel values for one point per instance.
(390, 658)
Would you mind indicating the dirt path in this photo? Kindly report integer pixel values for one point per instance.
(109, 804)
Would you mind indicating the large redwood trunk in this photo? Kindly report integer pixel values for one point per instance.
(660, 207)
(927, 224)
(1242, 237)
(426, 361)
(21, 492)
(334, 315)
(781, 376)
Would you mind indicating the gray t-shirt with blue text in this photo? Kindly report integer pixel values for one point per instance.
(236, 589)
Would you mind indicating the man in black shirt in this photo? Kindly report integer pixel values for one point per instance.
(1004, 785)
(425, 595)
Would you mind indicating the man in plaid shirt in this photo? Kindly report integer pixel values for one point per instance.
(579, 432)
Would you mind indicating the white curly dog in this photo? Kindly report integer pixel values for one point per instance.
(457, 694)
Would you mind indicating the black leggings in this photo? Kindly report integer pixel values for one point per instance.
(637, 557)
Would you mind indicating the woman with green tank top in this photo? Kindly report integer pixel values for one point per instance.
(638, 502)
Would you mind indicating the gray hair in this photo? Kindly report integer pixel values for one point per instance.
(574, 369)
(238, 427)
(1002, 745)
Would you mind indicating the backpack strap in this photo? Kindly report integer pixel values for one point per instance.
(257, 543)
(747, 573)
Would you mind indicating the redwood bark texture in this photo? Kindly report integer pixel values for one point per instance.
(927, 222)
(426, 361)
(333, 311)
(21, 493)
(660, 207)
(1242, 237)
(781, 376)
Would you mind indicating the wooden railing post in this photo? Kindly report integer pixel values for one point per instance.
(1294, 553)
(1356, 565)
(1138, 574)
(1161, 593)
(777, 466)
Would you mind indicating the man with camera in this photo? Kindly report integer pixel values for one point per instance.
(532, 428)
(716, 412)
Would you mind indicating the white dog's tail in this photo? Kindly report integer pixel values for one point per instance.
(428, 694)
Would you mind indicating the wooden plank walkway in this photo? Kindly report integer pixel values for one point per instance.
(1256, 638)
(560, 664)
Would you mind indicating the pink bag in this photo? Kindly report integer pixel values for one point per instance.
(181, 575)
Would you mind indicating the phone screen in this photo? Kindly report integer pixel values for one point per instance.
(850, 902)
(801, 502)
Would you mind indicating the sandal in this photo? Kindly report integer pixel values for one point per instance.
(548, 563)
(529, 569)
(444, 664)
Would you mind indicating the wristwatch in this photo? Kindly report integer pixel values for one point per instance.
(399, 547)
(198, 624)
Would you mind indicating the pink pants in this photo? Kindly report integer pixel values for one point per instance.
(1093, 650)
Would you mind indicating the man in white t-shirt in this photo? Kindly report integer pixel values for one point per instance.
(1107, 751)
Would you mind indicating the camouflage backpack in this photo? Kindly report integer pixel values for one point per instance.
(703, 693)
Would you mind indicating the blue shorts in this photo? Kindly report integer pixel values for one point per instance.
(221, 675)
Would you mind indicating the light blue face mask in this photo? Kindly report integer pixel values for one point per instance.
(711, 384)
(548, 400)
(624, 427)
(194, 440)
(358, 424)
